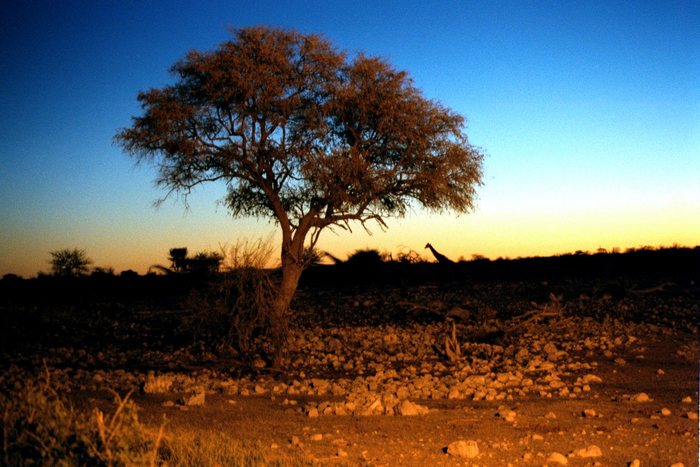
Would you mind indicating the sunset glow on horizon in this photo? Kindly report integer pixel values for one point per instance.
(589, 116)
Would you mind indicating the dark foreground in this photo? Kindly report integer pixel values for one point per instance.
(549, 370)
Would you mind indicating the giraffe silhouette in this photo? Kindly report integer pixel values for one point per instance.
(442, 259)
(333, 258)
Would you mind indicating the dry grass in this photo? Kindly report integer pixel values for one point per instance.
(41, 427)
(196, 448)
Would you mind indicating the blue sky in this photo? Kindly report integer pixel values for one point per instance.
(589, 113)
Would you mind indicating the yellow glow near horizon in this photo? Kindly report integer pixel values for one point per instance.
(503, 234)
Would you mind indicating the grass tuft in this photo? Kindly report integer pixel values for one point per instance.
(40, 427)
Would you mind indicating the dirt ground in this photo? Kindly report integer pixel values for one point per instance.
(638, 342)
(623, 430)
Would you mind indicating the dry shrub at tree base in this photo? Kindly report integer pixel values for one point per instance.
(234, 311)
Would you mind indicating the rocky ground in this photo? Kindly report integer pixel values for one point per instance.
(487, 374)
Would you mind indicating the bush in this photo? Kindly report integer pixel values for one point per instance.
(236, 307)
(367, 258)
(41, 428)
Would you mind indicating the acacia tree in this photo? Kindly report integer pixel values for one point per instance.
(304, 135)
(69, 263)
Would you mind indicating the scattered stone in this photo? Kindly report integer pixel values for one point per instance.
(665, 412)
(634, 463)
(590, 451)
(557, 458)
(316, 437)
(507, 415)
(641, 397)
(691, 415)
(312, 412)
(552, 352)
(194, 400)
(259, 364)
(466, 449)
(687, 400)
(409, 408)
(590, 378)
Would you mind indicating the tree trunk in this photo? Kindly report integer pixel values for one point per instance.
(291, 272)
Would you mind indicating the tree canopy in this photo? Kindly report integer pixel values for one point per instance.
(69, 262)
(302, 134)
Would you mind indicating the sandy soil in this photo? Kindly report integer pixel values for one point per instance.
(640, 342)
(623, 430)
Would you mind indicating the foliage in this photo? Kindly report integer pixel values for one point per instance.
(237, 306)
(409, 257)
(69, 263)
(203, 263)
(102, 271)
(178, 259)
(39, 427)
(304, 136)
(365, 258)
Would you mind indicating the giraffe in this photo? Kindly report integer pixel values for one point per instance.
(442, 259)
(333, 258)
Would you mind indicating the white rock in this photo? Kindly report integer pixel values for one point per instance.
(467, 449)
(196, 399)
(507, 415)
(557, 458)
(590, 451)
(408, 408)
(590, 378)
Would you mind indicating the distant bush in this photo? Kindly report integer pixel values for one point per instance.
(69, 263)
(365, 258)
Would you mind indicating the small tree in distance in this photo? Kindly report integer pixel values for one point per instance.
(69, 263)
(304, 136)
(203, 263)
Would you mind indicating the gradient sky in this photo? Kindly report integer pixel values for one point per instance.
(588, 112)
